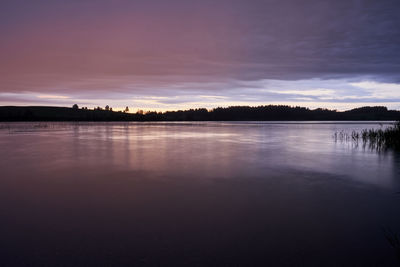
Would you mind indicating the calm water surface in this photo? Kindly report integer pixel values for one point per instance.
(195, 194)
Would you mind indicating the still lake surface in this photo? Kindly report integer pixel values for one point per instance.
(195, 194)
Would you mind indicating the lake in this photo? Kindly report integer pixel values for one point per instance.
(195, 194)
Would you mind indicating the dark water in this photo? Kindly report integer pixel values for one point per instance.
(195, 194)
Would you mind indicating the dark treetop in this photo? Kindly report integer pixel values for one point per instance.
(237, 113)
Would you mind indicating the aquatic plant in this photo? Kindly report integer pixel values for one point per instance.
(383, 139)
(394, 241)
(379, 139)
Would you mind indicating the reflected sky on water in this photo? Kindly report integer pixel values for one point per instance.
(205, 193)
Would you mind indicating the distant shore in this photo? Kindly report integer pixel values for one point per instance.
(236, 113)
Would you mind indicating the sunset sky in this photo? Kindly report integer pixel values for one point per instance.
(180, 54)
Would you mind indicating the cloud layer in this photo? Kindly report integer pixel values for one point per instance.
(171, 54)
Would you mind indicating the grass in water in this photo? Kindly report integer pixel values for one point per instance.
(394, 241)
(380, 139)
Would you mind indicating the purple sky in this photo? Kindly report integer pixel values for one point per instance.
(178, 54)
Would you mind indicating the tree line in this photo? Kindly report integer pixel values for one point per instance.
(235, 113)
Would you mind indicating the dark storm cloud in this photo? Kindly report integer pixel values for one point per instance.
(324, 38)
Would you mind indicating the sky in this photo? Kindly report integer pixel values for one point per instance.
(179, 54)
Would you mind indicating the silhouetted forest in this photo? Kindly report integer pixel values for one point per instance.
(236, 113)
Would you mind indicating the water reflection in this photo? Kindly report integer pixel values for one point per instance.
(194, 194)
(214, 149)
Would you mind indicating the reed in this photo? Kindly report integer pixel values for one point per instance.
(394, 241)
(379, 139)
